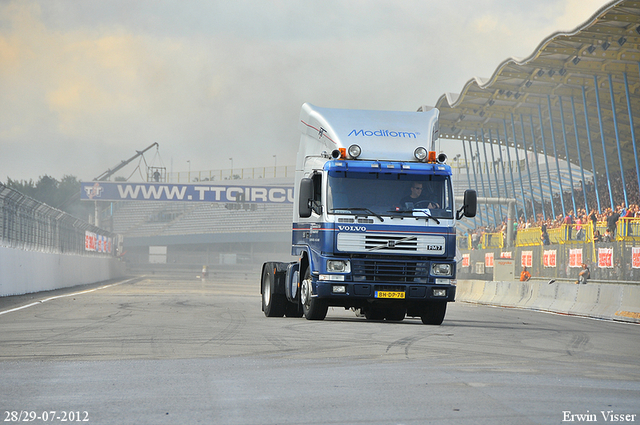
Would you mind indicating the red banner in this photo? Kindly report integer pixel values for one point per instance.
(635, 257)
(549, 258)
(575, 257)
(488, 259)
(90, 240)
(527, 258)
(466, 260)
(605, 258)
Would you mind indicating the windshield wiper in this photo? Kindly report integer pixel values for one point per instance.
(360, 209)
(426, 214)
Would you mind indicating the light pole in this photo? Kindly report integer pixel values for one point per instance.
(275, 165)
(189, 173)
(231, 175)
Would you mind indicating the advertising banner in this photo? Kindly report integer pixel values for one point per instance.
(635, 257)
(97, 243)
(90, 240)
(605, 258)
(527, 258)
(575, 257)
(488, 259)
(123, 191)
(466, 260)
(549, 258)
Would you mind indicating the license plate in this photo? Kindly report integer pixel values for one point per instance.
(389, 294)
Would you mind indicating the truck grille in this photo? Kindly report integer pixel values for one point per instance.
(372, 271)
(390, 243)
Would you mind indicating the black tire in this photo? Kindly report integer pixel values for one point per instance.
(312, 307)
(293, 310)
(373, 313)
(433, 312)
(273, 305)
(395, 314)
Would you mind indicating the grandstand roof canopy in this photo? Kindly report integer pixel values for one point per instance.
(559, 80)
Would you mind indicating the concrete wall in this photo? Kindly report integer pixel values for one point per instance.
(597, 300)
(22, 272)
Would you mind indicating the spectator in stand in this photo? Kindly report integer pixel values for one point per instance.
(593, 217)
(525, 275)
(612, 220)
(568, 221)
(597, 237)
(579, 230)
(545, 235)
(475, 239)
(607, 236)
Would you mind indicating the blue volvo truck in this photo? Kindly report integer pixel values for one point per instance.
(373, 222)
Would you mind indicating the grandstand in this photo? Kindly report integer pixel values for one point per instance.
(575, 100)
(557, 132)
(197, 234)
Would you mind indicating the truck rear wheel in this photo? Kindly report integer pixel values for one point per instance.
(273, 305)
(433, 312)
(293, 310)
(312, 307)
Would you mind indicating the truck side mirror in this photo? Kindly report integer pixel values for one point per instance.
(306, 196)
(469, 205)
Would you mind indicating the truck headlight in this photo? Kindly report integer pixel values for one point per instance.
(439, 269)
(338, 266)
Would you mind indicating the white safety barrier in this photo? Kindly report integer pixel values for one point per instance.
(23, 272)
(603, 301)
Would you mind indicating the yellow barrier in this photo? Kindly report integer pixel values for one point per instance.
(627, 229)
(529, 237)
(492, 240)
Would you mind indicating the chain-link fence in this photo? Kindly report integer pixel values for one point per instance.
(31, 225)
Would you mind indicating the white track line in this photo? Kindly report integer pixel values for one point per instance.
(63, 296)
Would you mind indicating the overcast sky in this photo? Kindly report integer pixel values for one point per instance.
(86, 83)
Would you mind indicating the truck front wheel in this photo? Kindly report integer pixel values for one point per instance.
(313, 308)
(433, 312)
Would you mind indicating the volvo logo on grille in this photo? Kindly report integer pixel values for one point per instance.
(391, 244)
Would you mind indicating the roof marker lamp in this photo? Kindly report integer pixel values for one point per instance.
(354, 151)
(420, 153)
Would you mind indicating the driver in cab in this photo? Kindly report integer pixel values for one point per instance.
(415, 199)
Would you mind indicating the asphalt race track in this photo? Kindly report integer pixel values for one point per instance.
(167, 351)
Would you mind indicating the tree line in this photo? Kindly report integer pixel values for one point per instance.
(61, 194)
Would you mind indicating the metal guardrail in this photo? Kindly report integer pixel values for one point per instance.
(31, 225)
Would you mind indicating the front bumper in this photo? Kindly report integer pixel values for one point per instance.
(372, 291)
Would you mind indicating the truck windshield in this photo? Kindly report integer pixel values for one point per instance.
(389, 194)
